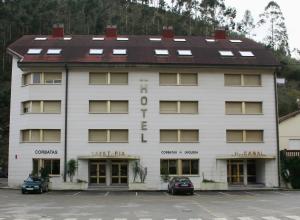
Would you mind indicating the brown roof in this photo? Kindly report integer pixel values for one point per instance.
(288, 116)
(140, 50)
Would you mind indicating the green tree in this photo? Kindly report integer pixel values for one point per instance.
(273, 19)
(246, 25)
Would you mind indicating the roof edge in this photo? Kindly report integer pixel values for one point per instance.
(288, 116)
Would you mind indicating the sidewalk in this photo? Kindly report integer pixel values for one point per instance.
(3, 183)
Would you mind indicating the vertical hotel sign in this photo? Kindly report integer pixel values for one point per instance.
(144, 105)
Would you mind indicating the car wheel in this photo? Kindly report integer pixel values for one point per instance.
(23, 191)
(41, 190)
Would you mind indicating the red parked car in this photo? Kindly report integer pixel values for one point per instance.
(180, 185)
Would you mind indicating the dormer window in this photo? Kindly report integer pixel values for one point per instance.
(161, 52)
(155, 39)
(98, 38)
(210, 40)
(184, 52)
(119, 51)
(246, 53)
(96, 51)
(67, 38)
(53, 51)
(40, 38)
(122, 38)
(179, 39)
(226, 53)
(236, 41)
(34, 51)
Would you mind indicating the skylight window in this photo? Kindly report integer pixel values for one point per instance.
(98, 38)
(67, 38)
(184, 52)
(119, 51)
(226, 53)
(155, 39)
(179, 39)
(40, 38)
(235, 41)
(34, 51)
(162, 52)
(53, 51)
(210, 40)
(122, 38)
(96, 51)
(246, 53)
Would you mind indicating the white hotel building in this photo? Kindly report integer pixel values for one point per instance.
(194, 106)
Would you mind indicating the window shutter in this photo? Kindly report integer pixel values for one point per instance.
(119, 78)
(189, 135)
(188, 78)
(233, 108)
(98, 106)
(168, 107)
(35, 135)
(234, 135)
(168, 79)
(51, 135)
(252, 80)
(99, 135)
(254, 136)
(118, 135)
(168, 136)
(233, 79)
(52, 106)
(119, 106)
(98, 78)
(36, 107)
(25, 136)
(188, 107)
(52, 78)
(253, 107)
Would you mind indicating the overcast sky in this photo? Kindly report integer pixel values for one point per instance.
(289, 8)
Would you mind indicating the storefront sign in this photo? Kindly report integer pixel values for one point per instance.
(109, 153)
(175, 152)
(144, 103)
(249, 154)
(49, 151)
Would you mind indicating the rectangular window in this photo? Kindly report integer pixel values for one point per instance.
(108, 135)
(51, 106)
(119, 136)
(168, 107)
(108, 78)
(252, 108)
(52, 166)
(255, 136)
(252, 80)
(190, 167)
(179, 166)
(40, 135)
(168, 136)
(106, 106)
(98, 135)
(26, 79)
(118, 106)
(41, 107)
(173, 79)
(52, 78)
(36, 78)
(233, 80)
(242, 80)
(51, 135)
(188, 107)
(189, 136)
(188, 79)
(179, 136)
(234, 108)
(98, 107)
(98, 78)
(245, 136)
(119, 78)
(238, 108)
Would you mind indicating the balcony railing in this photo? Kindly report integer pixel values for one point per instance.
(290, 153)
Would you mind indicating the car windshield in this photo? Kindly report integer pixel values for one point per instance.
(32, 179)
(184, 180)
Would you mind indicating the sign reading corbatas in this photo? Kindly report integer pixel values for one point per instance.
(175, 152)
(49, 151)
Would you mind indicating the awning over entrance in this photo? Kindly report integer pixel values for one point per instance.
(246, 155)
(108, 155)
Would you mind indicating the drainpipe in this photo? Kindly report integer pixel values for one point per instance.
(277, 129)
(66, 122)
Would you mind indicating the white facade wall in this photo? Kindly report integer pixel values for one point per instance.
(211, 122)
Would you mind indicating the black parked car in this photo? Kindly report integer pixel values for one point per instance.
(35, 184)
(180, 185)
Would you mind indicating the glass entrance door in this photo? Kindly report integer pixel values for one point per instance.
(235, 171)
(119, 173)
(97, 173)
(251, 171)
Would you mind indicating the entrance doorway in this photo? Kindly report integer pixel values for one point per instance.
(235, 171)
(98, 173)
(241, 172)
(119, 173)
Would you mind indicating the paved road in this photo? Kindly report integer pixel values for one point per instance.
(95, 205)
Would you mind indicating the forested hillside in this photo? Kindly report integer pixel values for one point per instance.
(188, 17)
